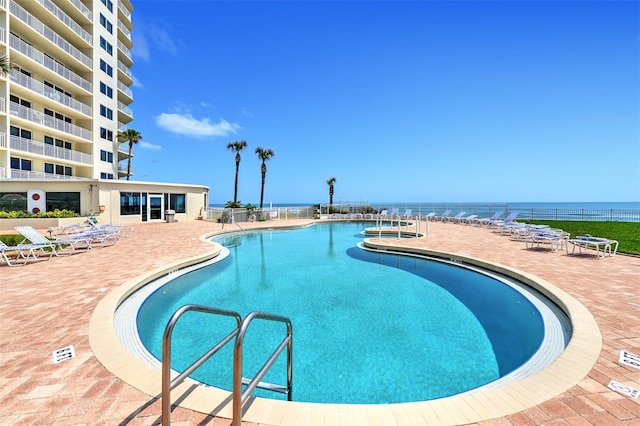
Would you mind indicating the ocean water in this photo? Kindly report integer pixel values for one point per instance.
(624, 211)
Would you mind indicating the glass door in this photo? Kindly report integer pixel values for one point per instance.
(155, 209)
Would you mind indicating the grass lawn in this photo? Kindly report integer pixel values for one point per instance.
(626, 233)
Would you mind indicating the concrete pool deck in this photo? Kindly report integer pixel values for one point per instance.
(49, 305)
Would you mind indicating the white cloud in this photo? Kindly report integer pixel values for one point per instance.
(147, 145)
(148, 36)
(187, 125)
(137, 83)
(246, 113)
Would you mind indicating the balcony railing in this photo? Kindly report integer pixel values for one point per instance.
(41, 148)
(3, 172)
(123, 108)
(82, 8)
(38, 87)
(124, 10)
(126, 90)
(122, 67)
(124, 30)
(3, 140)
(46, 61)
(3, 105)
(48, 121)
(28, 174)
(124, 50)
(48, 33)
(66, 19)
(3, 35)
(122, 168)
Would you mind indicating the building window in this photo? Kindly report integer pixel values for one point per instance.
(130, 203)
(63, 200)
(106, 175)
(108, 4)
(20, 163)
(175, 202)
(106, 112)
(106, 134)
(13, 201)
(106, 90)
(57, 115)
(22, 133)
(50, 140)
(108, 69)
(57, 169)
(105, 23)
(106, 45)
(106, 156)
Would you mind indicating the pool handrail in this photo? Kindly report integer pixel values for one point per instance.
(240, 396)
(167, 383)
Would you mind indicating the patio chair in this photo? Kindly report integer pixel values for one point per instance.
(456, 217)
(555, 238)
(507, 220)
(443, 216)
(488, 220)
(585, 242)
(407, 214)
(26, 252)
(73, 242)
(468, 220)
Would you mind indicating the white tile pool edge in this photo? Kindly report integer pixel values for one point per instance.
(568, 369)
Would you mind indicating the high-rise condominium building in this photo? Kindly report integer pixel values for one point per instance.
(62, 106)
(69, 92)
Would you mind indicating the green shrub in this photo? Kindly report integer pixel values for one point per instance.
(18, 214)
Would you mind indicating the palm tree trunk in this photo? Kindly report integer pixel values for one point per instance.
(235, 190)
(262, 189)
(129, 160)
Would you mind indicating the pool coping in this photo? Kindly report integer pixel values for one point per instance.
(567, 370)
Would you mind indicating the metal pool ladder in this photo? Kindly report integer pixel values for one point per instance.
(239, 396)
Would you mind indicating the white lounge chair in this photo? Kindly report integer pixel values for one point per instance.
(488, 220)
(407, 214)
(443, 216)
(555, 238)
(468, 220)
(21, 254)
(456, 217)
(585, 242)
(73, 242)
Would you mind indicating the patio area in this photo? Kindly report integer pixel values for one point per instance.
(48, 305)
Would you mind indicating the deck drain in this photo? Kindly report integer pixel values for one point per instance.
(63, 354)
(627, 358)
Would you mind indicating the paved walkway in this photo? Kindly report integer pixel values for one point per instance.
(48, 305)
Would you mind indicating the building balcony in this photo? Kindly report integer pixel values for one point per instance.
(54, 152)
(66, 20)
(29, 174)
(122, 170)
(84, 10)
(47, 62)
(124, 52)
(40, 118)
(50, 93)
(125, 72)
(125, 91)
(124, 34)
(126, 111)
(49, 34)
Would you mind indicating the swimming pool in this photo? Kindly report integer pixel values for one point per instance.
(420, 340)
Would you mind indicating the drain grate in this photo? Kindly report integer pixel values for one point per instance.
(627, 358)
(63, 354)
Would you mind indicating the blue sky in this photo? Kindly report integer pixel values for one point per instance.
(426, 101)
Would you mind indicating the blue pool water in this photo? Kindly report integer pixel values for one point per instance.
(367, 327)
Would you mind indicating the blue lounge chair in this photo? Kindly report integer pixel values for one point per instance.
(443, 216)
(456, 217)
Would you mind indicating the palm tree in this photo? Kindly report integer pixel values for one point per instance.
(264, 155)
(236, 147)
(133, 136)
(331, 181)
(6, 66)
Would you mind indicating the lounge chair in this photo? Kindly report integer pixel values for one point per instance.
(443, 216)
(430, 216)
(507, 220)
(407, 214)
(585, 242)
(468, 220)
(555, 238)
(73, 242)
(488, 220)
(456, 217)
(24, 252)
